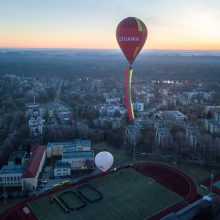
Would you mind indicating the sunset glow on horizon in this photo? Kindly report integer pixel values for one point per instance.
(174, 24)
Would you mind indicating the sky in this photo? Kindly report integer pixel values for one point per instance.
(172, 24)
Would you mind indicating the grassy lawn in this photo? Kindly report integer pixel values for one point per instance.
(9, 203)
(216, 184)
(119, 155)
(127, 194)
(198, 173)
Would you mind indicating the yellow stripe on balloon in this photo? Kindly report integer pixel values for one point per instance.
(135, 52)
(139, 25)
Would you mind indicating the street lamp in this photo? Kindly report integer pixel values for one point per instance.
(212, 176)
(134, 156)
(4, 194)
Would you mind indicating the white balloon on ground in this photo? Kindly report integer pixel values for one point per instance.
(104, 160)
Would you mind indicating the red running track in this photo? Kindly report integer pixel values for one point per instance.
(174, 180)
(171, 178)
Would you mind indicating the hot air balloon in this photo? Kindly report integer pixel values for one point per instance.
(131, 34)
(104, 161)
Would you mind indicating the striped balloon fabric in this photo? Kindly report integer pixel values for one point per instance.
(131, 35)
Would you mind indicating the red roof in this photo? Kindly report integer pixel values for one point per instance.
(34, 161)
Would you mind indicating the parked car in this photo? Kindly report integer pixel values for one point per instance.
(47, 190)
(44, 182)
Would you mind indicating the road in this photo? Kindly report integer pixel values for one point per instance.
(51, 182)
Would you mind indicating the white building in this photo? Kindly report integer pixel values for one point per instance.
(106, 122)
(79, 160)
(163, 137)
(138, 106)
(33, 109)
(10, 175)
(62, 169)
(174, 115)
(212, 108)
(194, 137)
(133, 134)
(56, 148)
(36, 121)
(23, 171)
(217, 116)
(18, 157)
(213, 125)
(34, 167)
(36, 125)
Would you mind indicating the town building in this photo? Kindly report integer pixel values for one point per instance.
(212, 108)
(194, 137)
(36, 121)
(111, 98)
(174, 115)
(18, 157)
(33, 168)
(163, 137)
(33, 109)
(36, 125)
(138, 106)
(79, 160)
(133, 134)
(62, 169)
(23, 169)
(107, 122)
(213, 125)
(56, 148)
(11, 175)
(110, 110)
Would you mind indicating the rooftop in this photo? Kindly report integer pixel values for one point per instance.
(61, 164)
(71, 144)
(34, 161)
(84, 143)
(12, 169)
(176, 113)
(58, 143)
(18, 154)
(78, 154)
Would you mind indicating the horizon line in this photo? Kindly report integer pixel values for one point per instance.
(77, 48)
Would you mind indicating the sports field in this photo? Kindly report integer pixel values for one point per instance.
(127, 194)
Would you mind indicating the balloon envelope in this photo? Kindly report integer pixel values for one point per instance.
(104, 160)
(131, 35)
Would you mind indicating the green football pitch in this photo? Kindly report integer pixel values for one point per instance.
(127, 194)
